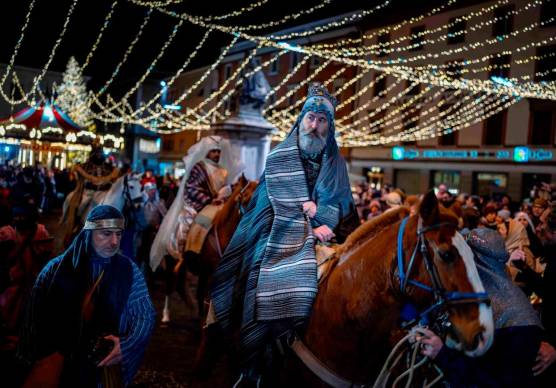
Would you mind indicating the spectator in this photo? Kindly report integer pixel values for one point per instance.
(517, 336)
(489, 219)
(374, 209)
(545, 287)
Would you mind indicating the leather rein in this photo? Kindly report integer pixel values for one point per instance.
(442, 299)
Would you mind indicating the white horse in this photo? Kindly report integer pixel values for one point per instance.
(127, 189)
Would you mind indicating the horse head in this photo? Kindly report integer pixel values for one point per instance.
(242, 191)
(127, 189)
(132, 188)
(444, 263)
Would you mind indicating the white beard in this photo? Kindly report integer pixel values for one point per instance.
(311, 142)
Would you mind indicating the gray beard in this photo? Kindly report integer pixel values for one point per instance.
(311, 143)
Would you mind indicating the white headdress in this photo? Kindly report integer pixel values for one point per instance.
(195, 154)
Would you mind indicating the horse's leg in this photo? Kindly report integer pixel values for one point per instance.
(201, 293)
(169, 280)
(181, 281)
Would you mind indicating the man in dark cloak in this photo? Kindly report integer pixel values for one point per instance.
(266, 281)
(90, 316)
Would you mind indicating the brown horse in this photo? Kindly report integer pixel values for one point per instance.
(356, 316)
(223, 227)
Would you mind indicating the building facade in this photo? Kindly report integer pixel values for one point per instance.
(506, 153)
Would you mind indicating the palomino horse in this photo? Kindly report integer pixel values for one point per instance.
(223, 227)
(357, 313)
(124, 189)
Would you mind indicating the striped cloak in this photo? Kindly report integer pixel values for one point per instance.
(268, 272)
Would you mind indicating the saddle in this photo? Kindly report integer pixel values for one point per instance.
(200, 228)
(326, 260)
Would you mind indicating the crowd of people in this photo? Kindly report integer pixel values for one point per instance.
(84, 317)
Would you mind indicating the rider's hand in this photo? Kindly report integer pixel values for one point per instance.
(310, 208)
(545, 357)
(517, 255)
(323, 233)
(430, 343)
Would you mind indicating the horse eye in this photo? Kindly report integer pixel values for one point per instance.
(447, 256)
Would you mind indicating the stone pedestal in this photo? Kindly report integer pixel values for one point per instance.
(249, 134)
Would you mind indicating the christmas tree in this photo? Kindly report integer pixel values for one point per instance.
(72, 95)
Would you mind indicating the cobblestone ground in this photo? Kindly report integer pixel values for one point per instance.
(171, 352)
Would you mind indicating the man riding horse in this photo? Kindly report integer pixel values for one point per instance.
(94, 179)
(203, 189)
(267, 279)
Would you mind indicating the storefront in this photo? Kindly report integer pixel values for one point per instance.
(484, 171)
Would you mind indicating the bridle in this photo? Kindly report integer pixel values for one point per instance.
(436, 313)
(241, 213)
(240, 201)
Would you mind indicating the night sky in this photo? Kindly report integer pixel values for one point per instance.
(48, 17)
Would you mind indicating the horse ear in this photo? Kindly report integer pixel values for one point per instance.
(428, 209)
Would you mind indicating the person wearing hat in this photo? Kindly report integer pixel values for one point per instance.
(268, 274)
(207, 177)
(90, 316)
(540, 205)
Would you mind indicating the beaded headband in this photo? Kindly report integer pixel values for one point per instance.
(109, 223)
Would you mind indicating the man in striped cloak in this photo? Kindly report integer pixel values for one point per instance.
(90, 316)
(266, 281)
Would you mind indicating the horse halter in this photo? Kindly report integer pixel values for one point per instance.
(442, 297)
(240, 202)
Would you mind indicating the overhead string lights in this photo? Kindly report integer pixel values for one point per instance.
(37, 79)
(100, 35)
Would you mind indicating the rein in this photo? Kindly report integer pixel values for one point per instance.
(442, 297)
(241, 210)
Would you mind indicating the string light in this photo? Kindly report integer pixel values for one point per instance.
(38, 78)
(99, 37)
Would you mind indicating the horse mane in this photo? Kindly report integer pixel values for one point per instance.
(113, 193)
(370, 228)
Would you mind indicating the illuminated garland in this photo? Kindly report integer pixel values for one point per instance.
(37, 79)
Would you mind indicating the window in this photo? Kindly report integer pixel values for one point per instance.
(542, 122)
(546, 63)
(382, 41)
(315, 61)
(456, 31)
(489, 183)
(227, 70)
(410, 120)
(380, 85)
(294, 59)
(493, 129)
(415, 89)
(274, 67)
(454, 69)
(376, 121)
(448, 139)
(504, 21)
(452, 179)
(500, 66)
(548, 10)
(417, 37)
(168, 145)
